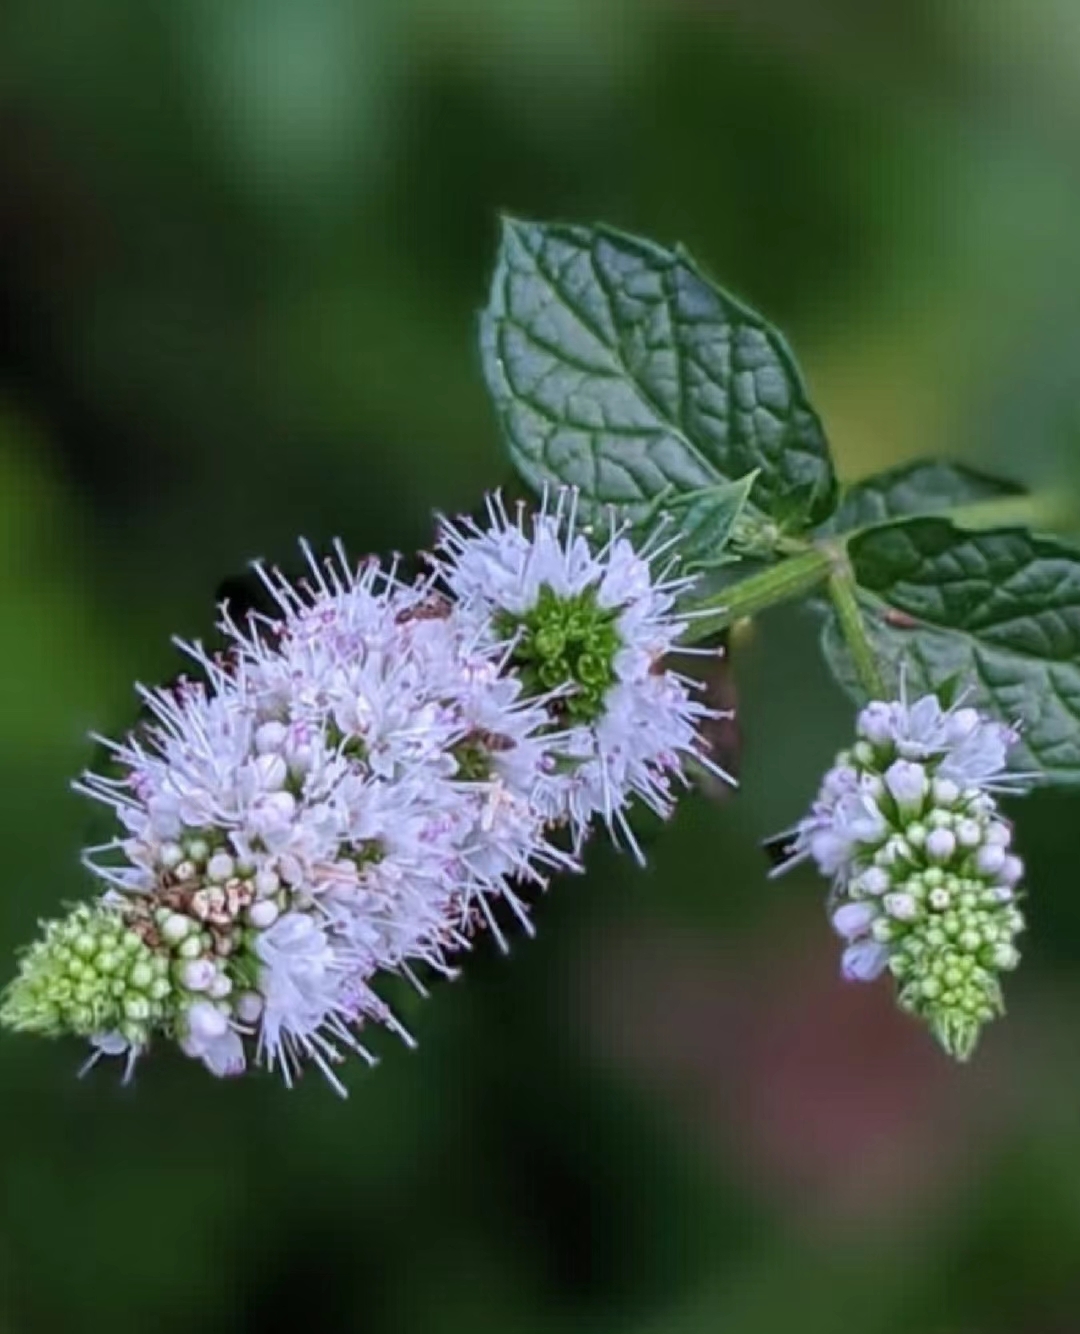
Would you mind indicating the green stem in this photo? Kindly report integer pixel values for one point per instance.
(791, 578)
(808, 567)
(849, 614)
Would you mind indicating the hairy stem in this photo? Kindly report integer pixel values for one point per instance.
(806, 567)
(791, 578)
(842, 593)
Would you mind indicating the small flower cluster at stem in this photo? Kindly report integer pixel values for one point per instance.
(361, 782)
(924, 880)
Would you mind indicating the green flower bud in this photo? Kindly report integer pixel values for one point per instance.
(86, 974)
(198, 849)
(566, 642)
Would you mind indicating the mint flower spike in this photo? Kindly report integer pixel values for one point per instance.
(344, 795)
(590, 625)
(925, 884)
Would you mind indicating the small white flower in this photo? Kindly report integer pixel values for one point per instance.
(877, 723)
(940, 845)
(845, 821)
(873, 882)
(864, 961)
(197, 974)
(968, 748)
(990, 859)
(853, 920)
(903, 906)
(248, 1007)
(908, 784)
(302, 986)
(263, 914)
(112, 1044)
(1012, 871)
(210, 1038)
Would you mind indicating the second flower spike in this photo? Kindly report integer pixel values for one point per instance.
(924, 881)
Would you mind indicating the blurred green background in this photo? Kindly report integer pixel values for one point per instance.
(242, 247)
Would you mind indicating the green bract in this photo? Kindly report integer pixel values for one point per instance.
(713, 521)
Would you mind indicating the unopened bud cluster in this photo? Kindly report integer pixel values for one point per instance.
(89, 972)
(358, 783)
(925, 883)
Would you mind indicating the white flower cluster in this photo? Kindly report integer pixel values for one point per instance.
(925, 885)
(589, 632)
(350, 789)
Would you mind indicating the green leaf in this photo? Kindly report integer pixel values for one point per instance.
(924, 487)
(707, 521)
(616, 366)
(1000, 609)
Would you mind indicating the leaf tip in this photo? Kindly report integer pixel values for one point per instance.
(511, 225)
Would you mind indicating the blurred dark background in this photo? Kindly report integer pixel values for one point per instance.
(242, 248)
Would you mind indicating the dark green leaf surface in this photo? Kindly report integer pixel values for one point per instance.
(1001, 607)
(617, 367)
(923, 487)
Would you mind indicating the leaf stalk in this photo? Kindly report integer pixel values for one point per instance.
(791, 578)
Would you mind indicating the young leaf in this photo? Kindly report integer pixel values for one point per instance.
(707, 521)
(615, 365)
(924, 487)
(1000, 609)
